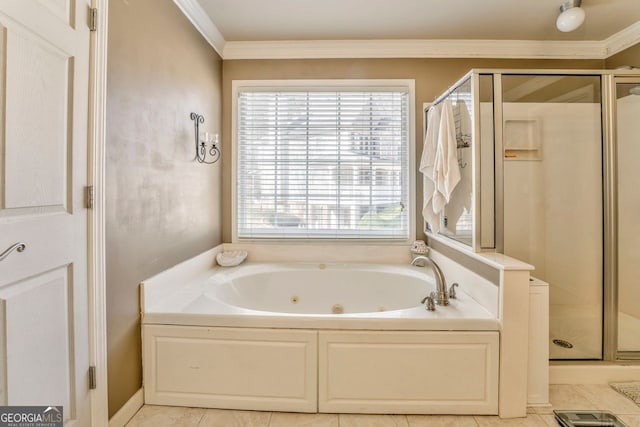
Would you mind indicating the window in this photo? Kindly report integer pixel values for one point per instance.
(321, 162)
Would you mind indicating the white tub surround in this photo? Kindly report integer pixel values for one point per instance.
(509, 302)
(262, 336)
(302, 295)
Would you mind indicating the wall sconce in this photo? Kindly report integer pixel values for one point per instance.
(206, 145)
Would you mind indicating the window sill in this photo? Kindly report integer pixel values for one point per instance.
(326, 251)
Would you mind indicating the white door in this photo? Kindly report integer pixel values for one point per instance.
(44, 345)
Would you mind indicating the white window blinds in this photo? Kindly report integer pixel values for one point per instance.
(322, 164)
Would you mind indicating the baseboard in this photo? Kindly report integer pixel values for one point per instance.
(128, 410)
(596, 373)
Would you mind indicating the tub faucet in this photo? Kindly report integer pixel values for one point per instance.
(441, 297)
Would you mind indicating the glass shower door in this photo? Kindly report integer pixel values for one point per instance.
(628, 141)
(553, 198)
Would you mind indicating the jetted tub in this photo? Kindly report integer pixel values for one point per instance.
(302, 295)
(314, 337)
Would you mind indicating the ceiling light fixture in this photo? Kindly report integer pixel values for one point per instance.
(571, 16)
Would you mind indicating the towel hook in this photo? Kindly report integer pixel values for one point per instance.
(460, 162)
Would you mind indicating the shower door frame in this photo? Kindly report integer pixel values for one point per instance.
(608, 80)
(611, 307)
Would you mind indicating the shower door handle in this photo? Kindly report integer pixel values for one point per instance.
(20, 247)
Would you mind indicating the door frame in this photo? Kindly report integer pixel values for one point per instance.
(97, 237)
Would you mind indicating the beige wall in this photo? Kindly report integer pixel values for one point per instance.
(630, 56)
(162, 206)
(432, 77)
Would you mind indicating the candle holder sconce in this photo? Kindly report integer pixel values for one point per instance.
(206, 145)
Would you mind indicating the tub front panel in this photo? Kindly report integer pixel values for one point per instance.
(408, 372)
(230, 368)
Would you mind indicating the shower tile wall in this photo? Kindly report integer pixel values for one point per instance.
(553, 213)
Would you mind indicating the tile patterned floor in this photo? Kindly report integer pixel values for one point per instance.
(589, 396)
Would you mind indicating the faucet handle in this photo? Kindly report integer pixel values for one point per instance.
(452, 291)
(430, 302)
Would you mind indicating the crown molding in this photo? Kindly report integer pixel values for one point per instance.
(623, 39)
(203, 23)
(306, 49)
(317, 49)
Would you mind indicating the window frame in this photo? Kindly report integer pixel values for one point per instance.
(325, 84)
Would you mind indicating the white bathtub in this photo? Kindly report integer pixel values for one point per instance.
(263, 336)
(320, 288)
(303, 295)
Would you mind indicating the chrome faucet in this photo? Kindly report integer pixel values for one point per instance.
(441, 297)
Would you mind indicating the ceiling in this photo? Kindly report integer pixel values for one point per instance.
(262, 20)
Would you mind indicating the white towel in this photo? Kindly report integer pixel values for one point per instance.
(446, 171)
(427, 163)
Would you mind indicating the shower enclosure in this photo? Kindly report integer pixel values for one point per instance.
(548, 176)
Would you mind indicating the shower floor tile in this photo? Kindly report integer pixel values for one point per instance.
(581, 326)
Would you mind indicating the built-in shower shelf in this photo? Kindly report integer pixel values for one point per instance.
(522, 139)
(522, 154)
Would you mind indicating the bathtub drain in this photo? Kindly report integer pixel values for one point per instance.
(337, 309)
(562, 343)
